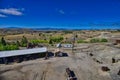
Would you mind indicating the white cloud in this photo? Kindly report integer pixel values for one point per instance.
(11, 11)
(61, 12)
(1, 15)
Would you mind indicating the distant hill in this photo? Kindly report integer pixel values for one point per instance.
(53, 29)
(49, 29)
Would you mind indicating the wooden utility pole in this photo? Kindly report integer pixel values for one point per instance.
(73, 43)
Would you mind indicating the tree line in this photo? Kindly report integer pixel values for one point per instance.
(52, 40)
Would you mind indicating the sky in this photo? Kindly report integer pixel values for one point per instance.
(71, 14)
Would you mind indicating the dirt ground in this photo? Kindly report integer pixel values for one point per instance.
(83, 65)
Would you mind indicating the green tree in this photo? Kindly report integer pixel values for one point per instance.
(76, 36)
(24, 41)
(50, 41)
(3, 42)
(39, 34)
(17, 43)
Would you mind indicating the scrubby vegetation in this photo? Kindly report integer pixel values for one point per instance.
(38, 41)
(55, 39)
(37, 38)
(104, 40)
(5, 46)
(93, 40)
(82, 41)
(24, 42)
(96, 40)
(8, 47)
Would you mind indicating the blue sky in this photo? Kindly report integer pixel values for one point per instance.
(73, 14)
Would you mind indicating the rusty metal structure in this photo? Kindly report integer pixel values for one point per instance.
(70, 74)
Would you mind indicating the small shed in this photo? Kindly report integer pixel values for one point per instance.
(59, 45)
(68, 45)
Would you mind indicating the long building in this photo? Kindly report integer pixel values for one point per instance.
(17, 55)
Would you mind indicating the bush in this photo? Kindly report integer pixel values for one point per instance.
(11, 47)
(56, 39)
(2, 48)
(103, 40)
(82, 41)
(95, 40)
(8, 47)
(24, 45)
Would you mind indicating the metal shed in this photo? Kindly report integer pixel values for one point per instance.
(5, 54)
(22, 52)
